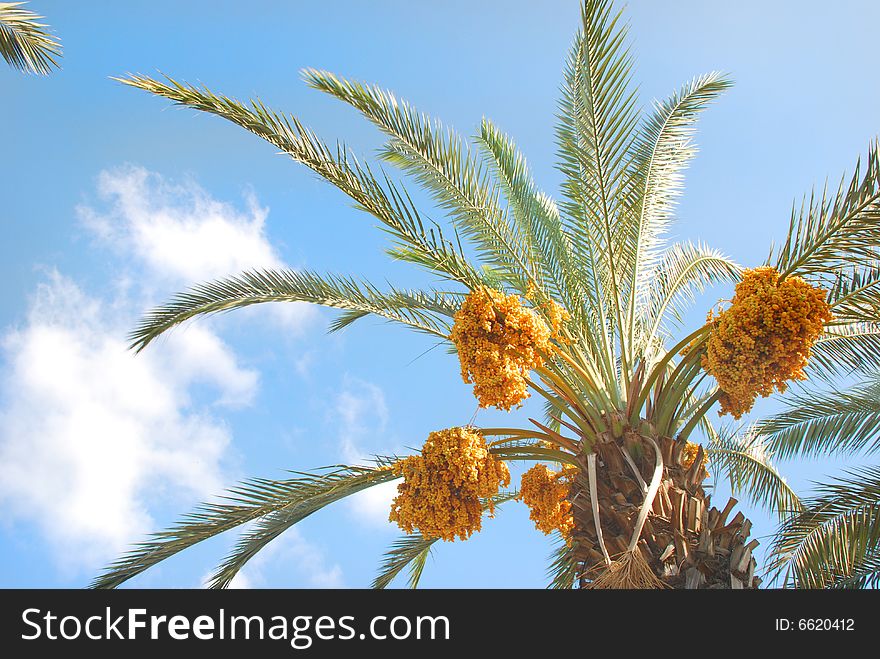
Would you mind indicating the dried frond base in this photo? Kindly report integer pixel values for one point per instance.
(629, 571)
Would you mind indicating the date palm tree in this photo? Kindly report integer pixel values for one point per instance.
(25, 43)
(623, 388)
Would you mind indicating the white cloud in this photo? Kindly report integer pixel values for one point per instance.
(90, 433)
(291, 553)
(361, 415)
(372, 506)
(93, 437)
(362, 418)
(178, 230)
(179, 235)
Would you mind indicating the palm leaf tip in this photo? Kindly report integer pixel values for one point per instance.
(25, 43)
(834, 231)
(408, 552)
(272, 505)
(424, 311)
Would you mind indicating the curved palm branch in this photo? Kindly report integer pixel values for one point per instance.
(834, 541)
(563, 567)
(865, 573)
(387, 202)
(686, 270)
(855, 295)
(293, 499)
(844, 349)
(662, 151)
(595, 135)
(834, 232)
(835, 421)
(408, 551)
(415, 309)
(445, 166)
(746, 461)
(412, 552)
(537, 219)
(25, 43)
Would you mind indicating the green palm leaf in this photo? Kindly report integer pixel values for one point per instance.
(846, 349)
(563, 567)
(833, 542)
(854, 295)
(253, 499)
(408, 550)
(419, 310)
(445, 166)
(25, 43)
(833, 422)
(387, 202)
(662, 151)
(597, 116)
(685, 270)
(834, 232)
(268, 527)
(536, 216)
(746, 461)
(864, 573)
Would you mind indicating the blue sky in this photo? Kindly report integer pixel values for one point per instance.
(113, 200)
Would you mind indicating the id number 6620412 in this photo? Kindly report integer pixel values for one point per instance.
(816, 624)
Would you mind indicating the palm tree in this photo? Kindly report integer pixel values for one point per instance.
(25, 43)
(835, 541)
(577, 301)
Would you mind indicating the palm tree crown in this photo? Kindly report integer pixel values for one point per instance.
(577, 300)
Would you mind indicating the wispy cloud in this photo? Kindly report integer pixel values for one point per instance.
(92, 437)
(360, 414)
(177, 230)
(179, 235)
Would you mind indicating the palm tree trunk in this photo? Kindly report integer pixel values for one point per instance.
(686, 542)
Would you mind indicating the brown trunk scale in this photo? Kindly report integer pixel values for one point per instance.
(685, 542)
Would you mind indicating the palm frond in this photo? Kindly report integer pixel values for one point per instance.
(536, 216)
(25, 43)
(594, 132)
(563, 567)
(686, 270)
(864, 573)
(412, 551)
(746, 461)
(407, 551)
(843, 350)
(442, 162)
(662, 151)
(416, 309)
(532, 452)
(830, 422)
(855, 296)
(384, 200)
(270, 526)
(833, 541)
(836, 231)
(252, 500)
